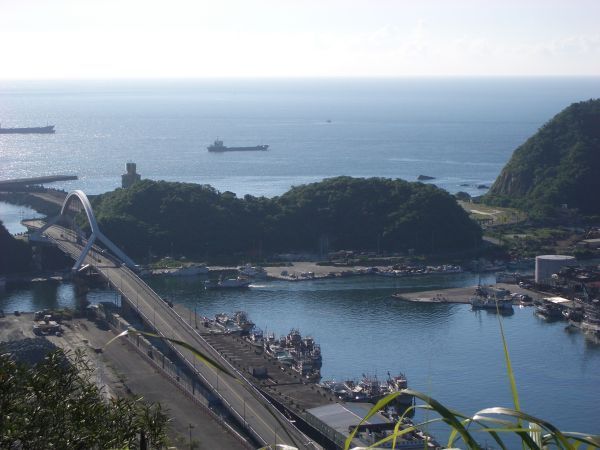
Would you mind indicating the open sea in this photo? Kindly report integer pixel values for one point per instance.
(460, 131)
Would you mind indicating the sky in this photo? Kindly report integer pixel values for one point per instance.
(106, 39)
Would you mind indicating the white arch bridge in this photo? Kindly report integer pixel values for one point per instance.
(70, 204)
(244, 401)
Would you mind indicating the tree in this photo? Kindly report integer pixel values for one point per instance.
(53, 404)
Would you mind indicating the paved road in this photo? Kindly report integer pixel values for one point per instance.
(267, 424)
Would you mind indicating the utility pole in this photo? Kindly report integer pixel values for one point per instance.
(190, 427)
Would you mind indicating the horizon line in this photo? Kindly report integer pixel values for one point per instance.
(307, 78)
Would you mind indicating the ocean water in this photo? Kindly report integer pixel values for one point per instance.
(460, 131)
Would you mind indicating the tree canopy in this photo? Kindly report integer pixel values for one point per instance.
(53, 404)
(336, 213)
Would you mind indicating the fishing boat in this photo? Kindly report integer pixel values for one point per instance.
(369, 389)
(301, 353)
(491, 303)
(228, 283)
(549, 310)
(240, 318)
(227, 324)
(591, 322)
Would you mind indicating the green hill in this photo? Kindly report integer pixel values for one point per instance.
(558, 165)
(337, 213)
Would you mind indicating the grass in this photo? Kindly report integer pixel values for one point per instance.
(499, 215)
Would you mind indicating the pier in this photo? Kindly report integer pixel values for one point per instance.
(458, 295)
(17, 184)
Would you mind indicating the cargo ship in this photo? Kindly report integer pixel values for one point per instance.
(218, 146)
(49, 129)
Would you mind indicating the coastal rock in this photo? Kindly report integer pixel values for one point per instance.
(425, 178)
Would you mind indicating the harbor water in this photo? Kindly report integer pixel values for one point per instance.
(446, 350)
(11, 216)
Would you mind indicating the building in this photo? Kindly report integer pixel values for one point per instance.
(337, 420)
(548, 265)
(131, 177)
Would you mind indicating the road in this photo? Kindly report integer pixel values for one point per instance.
(245, 402)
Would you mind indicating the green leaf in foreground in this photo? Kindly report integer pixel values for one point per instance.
(202, 357)
(447, 416)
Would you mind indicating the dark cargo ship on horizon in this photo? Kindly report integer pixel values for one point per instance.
(48, 129)
(218, 146)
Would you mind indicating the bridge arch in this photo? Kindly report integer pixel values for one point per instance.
(96, 233)
(87, 206)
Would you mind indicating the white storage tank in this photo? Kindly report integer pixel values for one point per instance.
(546, 265)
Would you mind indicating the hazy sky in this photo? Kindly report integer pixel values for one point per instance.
(43, 39)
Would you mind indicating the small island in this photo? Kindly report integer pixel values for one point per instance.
(365, 214)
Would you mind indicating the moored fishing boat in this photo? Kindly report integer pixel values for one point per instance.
(490, 303)
(302, 354)
(369, 389)
(552, 308)
(241, 319)
(228, 283)
(591, 322)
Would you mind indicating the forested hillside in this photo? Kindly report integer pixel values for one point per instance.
(558, 165)
(336, 213)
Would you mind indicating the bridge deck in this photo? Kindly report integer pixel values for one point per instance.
(264, 421)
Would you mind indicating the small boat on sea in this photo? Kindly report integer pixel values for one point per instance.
(228, 283)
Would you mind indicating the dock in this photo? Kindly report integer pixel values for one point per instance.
(459, 295)
(281, 383)
(20, 183)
